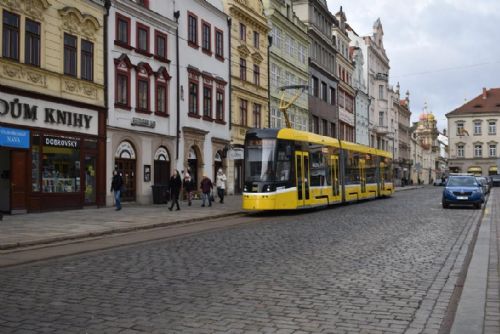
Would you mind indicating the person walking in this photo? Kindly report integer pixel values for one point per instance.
(221, 184)
(175, 188)
(188, 185)
(116, 188)
(206, 188)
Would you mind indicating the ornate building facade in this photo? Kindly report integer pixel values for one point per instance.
(249, 85)
(473, 133)
(52, 109)
(288, 57)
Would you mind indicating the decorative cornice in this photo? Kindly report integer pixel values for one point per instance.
(79, 24)
(243, 50)
(80, 88)
(196, 131)
(23, 74)
(257, 58)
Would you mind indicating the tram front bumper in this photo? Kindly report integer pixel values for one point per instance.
(259, 201)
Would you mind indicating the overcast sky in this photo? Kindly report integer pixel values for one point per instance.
(442, 51)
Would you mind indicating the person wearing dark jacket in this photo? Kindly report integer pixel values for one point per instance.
(189, 187)
(206, 188)
(116, 187)
(175, 188)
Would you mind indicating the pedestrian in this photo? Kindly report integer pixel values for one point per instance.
(206, 188)
(116, 187)
(175, 187)
(221, 184)
(189, 187)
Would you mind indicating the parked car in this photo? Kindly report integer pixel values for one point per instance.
(463, 190)
(484, 183)
(439, 182)
(495, 179)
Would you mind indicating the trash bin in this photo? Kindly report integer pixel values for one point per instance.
(160, 194)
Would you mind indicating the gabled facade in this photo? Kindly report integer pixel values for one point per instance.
(52, 115)
(249, 87)
(322, 66)
(288, 57)
(141, 127)
(473, 135)
(344, 71)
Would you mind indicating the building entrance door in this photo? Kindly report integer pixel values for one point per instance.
(127, 168)
(18, 183)
(4, 181)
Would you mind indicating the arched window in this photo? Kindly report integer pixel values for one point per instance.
(161, 91)
(143, 71)
(122, 82)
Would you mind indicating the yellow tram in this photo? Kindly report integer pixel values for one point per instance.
(290, 169)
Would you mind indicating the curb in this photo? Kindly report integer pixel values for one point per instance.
(53, 240)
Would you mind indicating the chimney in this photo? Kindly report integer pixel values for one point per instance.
(484, 93)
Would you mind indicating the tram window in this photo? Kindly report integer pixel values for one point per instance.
(352, 169)
(318, 170)
(283, 161)
(370, 169)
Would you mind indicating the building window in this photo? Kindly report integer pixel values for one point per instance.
(161, 45)
(122, 29)
(243, 112)
(161, 94)
(460, 129)
(493, 150)
(256, 75)
(142, 38)
(219, 105)
(324, 89)
(256, 37)
(87, 55)
(315, 125)
(315, 86)
(492, 128)
(332, 96)
(122, 89)
(243, 69)
(381, 118)
(122, 82)
(144, 3)
(243, 32)
(10, 35)
(192, 30)
(460, 150)
(219, 44)
(478, 150)
(325, 127)
(381, 92)
(333, 131)
(70, 54)
(206, 41)
(143, 95)
(477, 128)
(193, 97)
(256, 115)
(32, 43)
(207, 101)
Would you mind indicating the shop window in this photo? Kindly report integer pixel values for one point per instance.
(60, 165)
(70, 54)
(32, 43)
(87, 70)
(10, 35)
(35, 163)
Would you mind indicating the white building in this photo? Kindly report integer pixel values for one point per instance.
(141, 124)
(204, 97)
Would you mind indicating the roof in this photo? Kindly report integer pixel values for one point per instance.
(487, 102)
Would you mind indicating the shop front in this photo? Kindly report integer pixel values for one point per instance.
(52, 155)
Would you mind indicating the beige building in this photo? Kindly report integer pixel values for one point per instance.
(249, 86)
(424, 149)
(473, 135)
(52, 112)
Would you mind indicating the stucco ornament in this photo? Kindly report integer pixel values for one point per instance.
(80, 24)
(19, 74)
(31, 8)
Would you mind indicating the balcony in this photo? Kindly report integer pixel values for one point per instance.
(381, 129)
(382, 77)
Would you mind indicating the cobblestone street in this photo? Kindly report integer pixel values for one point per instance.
(388, 265)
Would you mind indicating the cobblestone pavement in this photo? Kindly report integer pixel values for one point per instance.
(384, 266)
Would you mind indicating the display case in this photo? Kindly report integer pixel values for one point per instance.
(60, 185)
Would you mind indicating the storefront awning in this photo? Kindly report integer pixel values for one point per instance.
(474, 170)
(493, 169)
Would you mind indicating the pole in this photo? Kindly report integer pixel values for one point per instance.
(177, 14)
(270, 43)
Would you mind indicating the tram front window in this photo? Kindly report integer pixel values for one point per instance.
(259, 160)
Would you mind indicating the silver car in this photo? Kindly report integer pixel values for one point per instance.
(484, 183)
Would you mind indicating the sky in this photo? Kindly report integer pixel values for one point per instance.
(442, 51)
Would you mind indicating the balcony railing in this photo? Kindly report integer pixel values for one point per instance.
(382, 77)
(381, 129)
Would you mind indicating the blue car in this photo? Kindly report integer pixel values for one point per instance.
(463, 190)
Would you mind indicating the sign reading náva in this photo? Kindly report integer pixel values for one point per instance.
(25, 111)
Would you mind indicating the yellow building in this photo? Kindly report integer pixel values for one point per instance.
(52, 110)
(249, 79)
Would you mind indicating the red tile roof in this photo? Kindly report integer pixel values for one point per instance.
(487, 102)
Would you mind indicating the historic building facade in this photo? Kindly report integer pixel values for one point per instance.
(141, 128)
(249, 88)
(473, 135)
(402, 160)
(52, 110)
(322, 66)
(424, 148)
(288, 57)
(344, 69)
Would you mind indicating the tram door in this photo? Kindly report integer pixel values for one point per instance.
(302, 177)
(362, 175)
(335, 175)
(382, 180)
